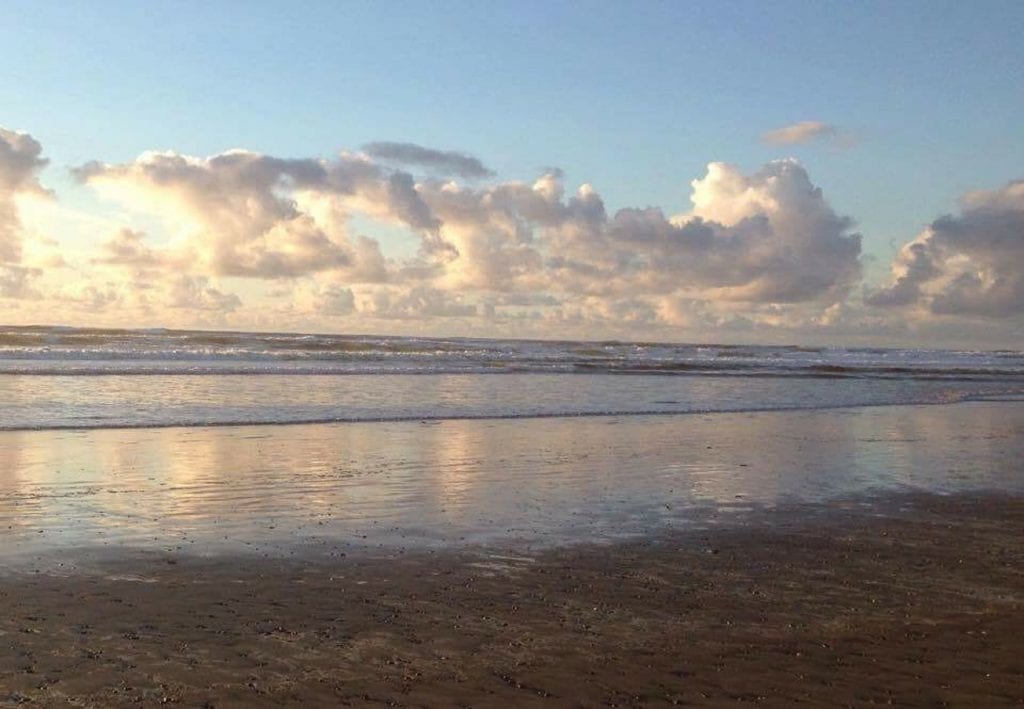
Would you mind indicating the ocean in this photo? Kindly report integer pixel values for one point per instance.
(69, 378)
(274, 443)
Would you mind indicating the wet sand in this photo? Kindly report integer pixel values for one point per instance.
(536, 482)
(841, 557)
(913, 599)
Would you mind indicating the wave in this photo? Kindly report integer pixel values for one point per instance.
(51, 351)
(82, 394)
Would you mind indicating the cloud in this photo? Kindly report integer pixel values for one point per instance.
(490, 232)
(802, 132)
(766, 237)
(444, 162)
(776, 237)
(416, 303)
(20, 163)
(196, 293)
(17, 282)
(329, 299)
(406, 203)
(969, 264)
(128, 248)
(770, 236)
(93, 298)
(244, 215)
(759, 254)
(504, 249)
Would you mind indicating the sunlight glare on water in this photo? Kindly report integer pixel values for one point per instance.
(534, 480)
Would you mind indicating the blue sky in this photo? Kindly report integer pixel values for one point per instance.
(633, 98)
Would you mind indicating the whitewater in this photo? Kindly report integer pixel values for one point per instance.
(67, 378)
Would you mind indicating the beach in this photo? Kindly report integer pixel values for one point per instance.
(920, 606)
(511, 354)
(848, 556)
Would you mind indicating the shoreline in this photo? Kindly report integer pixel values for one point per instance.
(539, 481)
(88, 403)
(846, 557)
(883, 506)
(834, 605)
(623, 413)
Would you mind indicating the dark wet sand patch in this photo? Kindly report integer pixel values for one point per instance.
(920, 607)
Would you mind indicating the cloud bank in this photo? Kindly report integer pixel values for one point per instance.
(766, 237)
(249, 240)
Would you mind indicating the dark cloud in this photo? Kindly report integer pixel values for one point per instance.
(20, 163)
(971, 263)
(441, 161)
(407, 204)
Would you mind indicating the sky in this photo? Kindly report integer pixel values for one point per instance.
(804, 172)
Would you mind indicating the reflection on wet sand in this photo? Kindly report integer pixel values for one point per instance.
(540, 481)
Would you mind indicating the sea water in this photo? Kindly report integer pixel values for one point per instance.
(53, 378)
